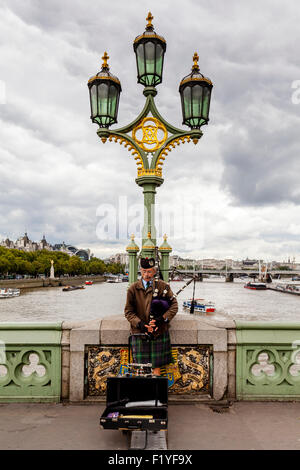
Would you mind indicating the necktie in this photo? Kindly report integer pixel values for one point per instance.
(147, 284)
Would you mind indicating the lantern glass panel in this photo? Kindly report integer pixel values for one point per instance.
(159, 59)
(196, 101)
(150, 64)
(140, 54)
(206, 100)
(187, 102)
(94, 102)
(150, 57)
(113, 93)
(103, 99)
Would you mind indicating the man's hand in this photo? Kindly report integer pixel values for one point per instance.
(151, 327)
(147, 328)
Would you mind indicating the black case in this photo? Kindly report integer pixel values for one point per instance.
(122, 389)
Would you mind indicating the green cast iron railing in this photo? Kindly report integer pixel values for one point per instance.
(268, 361)
(30, 362)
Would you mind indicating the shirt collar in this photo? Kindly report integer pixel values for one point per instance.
(145, 282)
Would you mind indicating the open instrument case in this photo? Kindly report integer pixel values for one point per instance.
(136, 403)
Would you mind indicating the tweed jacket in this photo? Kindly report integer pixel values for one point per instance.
(138, 303)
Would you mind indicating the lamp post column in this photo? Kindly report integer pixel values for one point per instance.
(149, 185)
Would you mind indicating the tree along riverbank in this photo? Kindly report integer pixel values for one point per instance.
(14, 262)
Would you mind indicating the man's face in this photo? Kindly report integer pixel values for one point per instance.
(147, 274)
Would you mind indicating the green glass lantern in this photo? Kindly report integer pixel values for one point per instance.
(195, 91)
(105, 91)
(149, 49)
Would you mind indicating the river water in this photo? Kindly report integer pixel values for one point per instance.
(104, 299)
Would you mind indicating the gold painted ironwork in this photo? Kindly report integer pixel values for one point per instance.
(196, 78)
(188, 374)
(133, 247)
(149, 19)
(195, 68)
(168, 148)
(167, 248)
(147, 247)
(105, 59)
(147, 172)
(193, 370)
(104, 77)
(104, 74)
(148, 35)
(150, 127)
(195, 59)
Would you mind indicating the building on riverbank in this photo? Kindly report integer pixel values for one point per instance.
(25, 244)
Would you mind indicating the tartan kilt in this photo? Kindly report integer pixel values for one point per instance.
(157, 351)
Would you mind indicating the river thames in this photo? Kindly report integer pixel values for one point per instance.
(103, 299)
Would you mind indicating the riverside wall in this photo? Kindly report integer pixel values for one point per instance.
(214, 360)
(47, 282)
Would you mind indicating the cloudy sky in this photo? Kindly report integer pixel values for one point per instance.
(235, 194)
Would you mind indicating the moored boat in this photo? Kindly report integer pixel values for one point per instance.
(287, 288)
(69, 288)
(88, 283)
(200, 305)
(255, 285)
(8, 293)
(113, 279)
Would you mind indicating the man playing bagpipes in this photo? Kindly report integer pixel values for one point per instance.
(150, 306)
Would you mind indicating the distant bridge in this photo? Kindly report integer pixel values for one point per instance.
(236, 272)
(231, 273)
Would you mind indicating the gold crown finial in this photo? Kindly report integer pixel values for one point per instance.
(149, 234)
(105, 59)
(132, 236)
(195, 59)
(149, 19)
(165, 237)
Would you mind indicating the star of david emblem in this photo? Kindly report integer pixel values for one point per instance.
(150, 134)
(149, 140)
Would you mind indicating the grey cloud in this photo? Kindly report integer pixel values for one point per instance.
(249, 50)
(261, 165)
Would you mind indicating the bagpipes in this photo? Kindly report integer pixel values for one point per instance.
(160, 305)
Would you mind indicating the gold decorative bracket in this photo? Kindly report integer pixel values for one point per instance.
(151, 134)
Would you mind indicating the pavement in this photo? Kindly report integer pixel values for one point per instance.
(244, 425)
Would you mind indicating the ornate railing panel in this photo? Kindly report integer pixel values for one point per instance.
(30, 362)
(189, 374)
(268, 361)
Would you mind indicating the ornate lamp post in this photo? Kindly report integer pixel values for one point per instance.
(149, 135)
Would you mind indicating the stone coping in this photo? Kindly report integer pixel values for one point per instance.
(30, 326)
(179, 319)
(184, 329)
